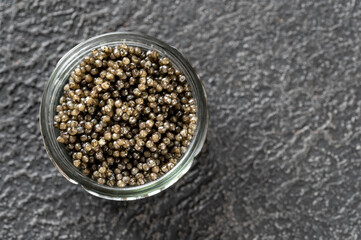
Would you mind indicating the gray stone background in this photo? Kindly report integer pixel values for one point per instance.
(282, 159)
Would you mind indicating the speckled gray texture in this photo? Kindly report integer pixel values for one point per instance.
(282, 159)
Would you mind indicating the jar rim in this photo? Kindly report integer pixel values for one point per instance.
(57, 81)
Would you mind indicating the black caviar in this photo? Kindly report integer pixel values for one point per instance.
(126, 115)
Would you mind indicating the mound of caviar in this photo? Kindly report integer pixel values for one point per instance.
(126, 116)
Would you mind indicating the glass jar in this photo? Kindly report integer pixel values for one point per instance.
(54, 89)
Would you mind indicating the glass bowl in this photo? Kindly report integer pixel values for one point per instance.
(54, 89)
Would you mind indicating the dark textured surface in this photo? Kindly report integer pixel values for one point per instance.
(282, 159)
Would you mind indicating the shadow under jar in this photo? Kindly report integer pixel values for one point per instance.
(54, 90)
